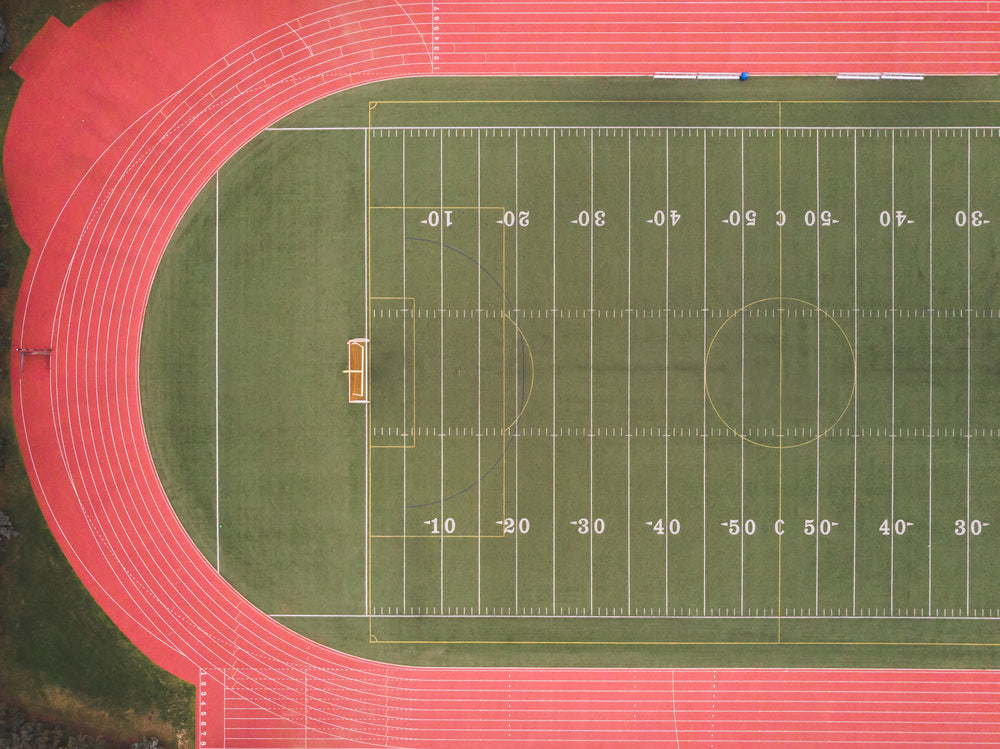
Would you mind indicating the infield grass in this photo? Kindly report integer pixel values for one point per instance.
(660, 373)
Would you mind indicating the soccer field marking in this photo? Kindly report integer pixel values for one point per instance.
(782, 432)
(409, 310)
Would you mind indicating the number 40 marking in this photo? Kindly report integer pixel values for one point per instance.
(673, 526)
(899, 527)
(660, 218)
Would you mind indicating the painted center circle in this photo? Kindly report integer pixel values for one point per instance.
(780, 372)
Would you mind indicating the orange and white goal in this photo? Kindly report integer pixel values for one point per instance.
(357, 370)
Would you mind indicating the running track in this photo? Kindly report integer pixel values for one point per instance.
(124, 117)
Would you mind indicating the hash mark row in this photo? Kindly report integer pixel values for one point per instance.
(494, 131)
(757, 310)
(660, 432)
(683, 612)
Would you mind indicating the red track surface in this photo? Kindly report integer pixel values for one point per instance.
(124, 117)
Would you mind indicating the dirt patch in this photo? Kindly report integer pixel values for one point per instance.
(55, 705)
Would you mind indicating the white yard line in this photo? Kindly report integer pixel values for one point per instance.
(704, 394)
(968, 370)
(479, 373)
(930, 375)
(218, 543)
(553, 370)
(628, 391)
(405, 322)
(854, 516)
(368, 429)
(743, 324)
(591, 316)
(666, 381)
(818, 426)
(441, 363)
(892, 433)
(518, 385)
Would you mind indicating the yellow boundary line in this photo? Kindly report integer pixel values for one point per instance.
(715, 643)
(413, 378)
(854, 369)
(385, 102)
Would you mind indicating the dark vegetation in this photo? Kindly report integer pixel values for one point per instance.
(68, 676)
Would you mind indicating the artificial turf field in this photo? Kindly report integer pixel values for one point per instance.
(661, 373)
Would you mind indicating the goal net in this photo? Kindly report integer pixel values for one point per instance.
(357, 370)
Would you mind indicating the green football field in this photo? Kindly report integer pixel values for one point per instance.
(658, 373)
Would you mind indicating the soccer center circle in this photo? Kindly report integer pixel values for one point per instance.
(780, 372)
